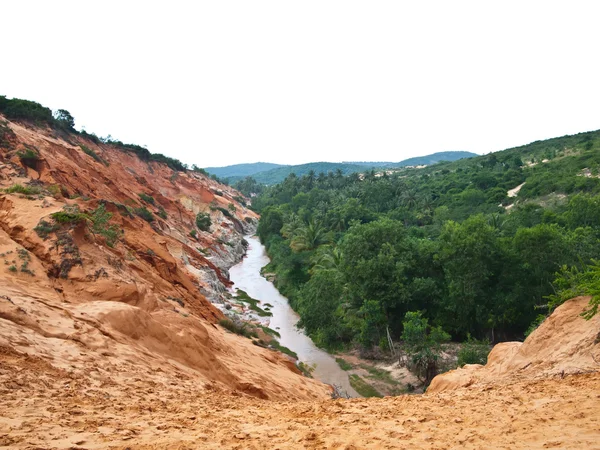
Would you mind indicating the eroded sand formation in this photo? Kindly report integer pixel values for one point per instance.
(122, 349)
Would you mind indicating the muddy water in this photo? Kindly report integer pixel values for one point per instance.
(246, 275)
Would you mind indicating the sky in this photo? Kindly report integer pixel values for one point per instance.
(214, 83)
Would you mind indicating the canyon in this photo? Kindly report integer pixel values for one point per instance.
(114, 341)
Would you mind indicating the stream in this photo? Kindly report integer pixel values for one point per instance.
(246, 276)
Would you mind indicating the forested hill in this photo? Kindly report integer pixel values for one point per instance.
(355, 256)
(237, 171)
(267, 173)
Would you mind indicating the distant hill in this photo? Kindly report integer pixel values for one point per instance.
(241, 170)
(434, 158)
(276, 173)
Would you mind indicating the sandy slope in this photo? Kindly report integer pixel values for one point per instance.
(125, 402)
(44, 407)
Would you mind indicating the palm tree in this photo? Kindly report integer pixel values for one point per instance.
(291, 225)
(410, 199)
(309, 236)
(329, 259)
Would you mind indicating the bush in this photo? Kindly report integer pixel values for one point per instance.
(193, 234)
(69, 217)
(20, 189)
(162, 213)
(423, 345)
(43, 229)
(100, 218)
(473, 352)
(147, 198)
(144, 214)
(203, 221)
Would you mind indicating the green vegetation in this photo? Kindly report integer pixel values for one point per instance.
(162, 213)
(280, 348)
(270, 331)
(69, 216)
(12, 268)
(25, 190)
(44, 229)
(379, 374)
(269, 174)
(144, 213)
(355, 255)
(345, 365)
(25, 260)
(243, 329)
(362, 387)
(63, 121)
(7, 136)
(575, 281)
(100, 225)
(203, 221)
(97, 220)
(29, 157)
(244, 297)
(422, 345)
(147, 198)
(474, 352)
(193, 233)
(93, 154)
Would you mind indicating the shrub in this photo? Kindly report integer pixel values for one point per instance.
(423, 345)
(473, 352)
(13, 268)
(43, 229)
(70, 217)
(147, 198)
(203, 221)
(20, 189)
(144, 214)
(100, 218)
(193, 233)
(572, 282)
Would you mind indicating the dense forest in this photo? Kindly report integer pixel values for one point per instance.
(358, 255)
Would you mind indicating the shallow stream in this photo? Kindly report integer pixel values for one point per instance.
(246, 276)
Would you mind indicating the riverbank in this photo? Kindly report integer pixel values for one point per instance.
(280, 317)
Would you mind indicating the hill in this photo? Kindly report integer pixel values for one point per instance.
(356, 254)
(237, 171)
(115, 268)
(278, 174)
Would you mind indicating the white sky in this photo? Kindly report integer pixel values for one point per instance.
(224, 82)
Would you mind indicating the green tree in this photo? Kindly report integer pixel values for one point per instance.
(423, 345)
(310, 236)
